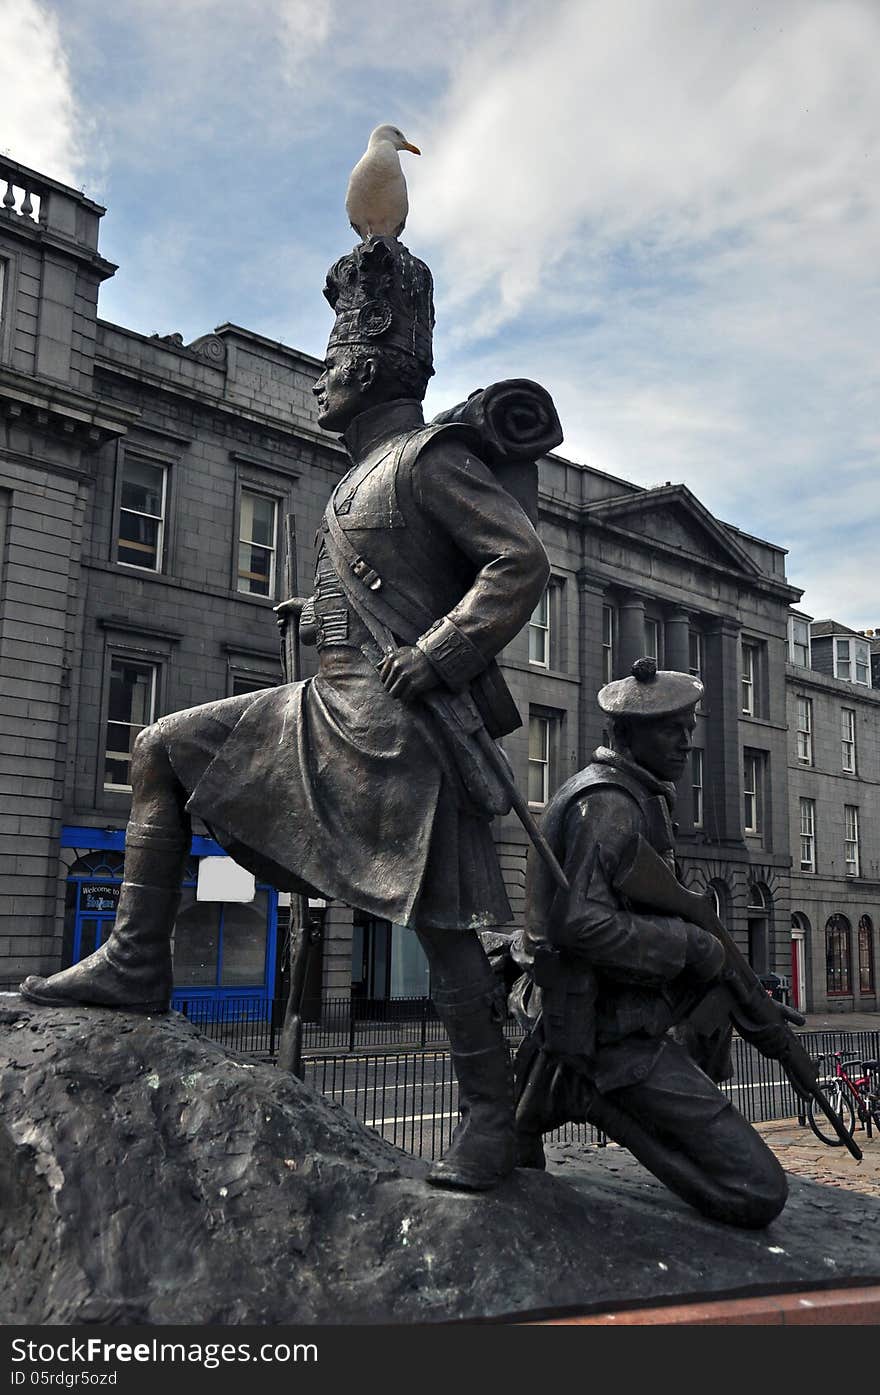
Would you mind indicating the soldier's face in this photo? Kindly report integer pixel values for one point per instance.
(341, 391)
(662, 744)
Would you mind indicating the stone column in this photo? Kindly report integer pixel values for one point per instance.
(722, 781)
(631, 633)
(677, 647)
(591, 598)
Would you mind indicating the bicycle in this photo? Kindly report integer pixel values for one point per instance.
(852, 1097)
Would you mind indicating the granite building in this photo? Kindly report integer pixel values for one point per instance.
(834, 810)
(145, 491)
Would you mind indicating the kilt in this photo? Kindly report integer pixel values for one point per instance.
(330, 787)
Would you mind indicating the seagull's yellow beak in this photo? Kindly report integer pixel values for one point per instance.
(414, 148)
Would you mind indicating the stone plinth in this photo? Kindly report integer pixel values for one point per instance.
(150, 1177)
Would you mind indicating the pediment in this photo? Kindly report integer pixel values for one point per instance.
(673, 518)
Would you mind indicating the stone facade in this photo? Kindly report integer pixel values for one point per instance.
(92, 411)
(653, 571)
(833, 770)
(54, 425)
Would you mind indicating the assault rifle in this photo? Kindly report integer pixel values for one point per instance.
(647, 880)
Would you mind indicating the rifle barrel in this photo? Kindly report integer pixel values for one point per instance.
(836, 1123)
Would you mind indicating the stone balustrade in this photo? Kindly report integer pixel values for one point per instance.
(23, 197)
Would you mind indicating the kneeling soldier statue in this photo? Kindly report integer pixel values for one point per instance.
(611, 968)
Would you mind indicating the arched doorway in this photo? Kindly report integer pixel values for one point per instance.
(759, 914)
(800, 928)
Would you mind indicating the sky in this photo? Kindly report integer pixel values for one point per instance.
(666, 211)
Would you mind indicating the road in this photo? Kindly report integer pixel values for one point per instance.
(411, 1097)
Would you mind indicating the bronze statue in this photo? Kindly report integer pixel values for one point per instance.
(609, 971)
(372, 782)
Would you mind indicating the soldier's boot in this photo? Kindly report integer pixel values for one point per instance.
(530, 1150)
(133, 969)
(482, 1152)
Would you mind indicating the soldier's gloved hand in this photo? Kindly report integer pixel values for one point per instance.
(771, 1040)
(704, 957)
(407, 673)
(300, 609)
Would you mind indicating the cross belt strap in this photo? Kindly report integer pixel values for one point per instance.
(455, 714)
(404, 617)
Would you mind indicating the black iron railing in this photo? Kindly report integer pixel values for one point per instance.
(249, 1023)
(411, 1097)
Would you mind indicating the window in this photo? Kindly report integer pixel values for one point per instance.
(753, 790)
(539, 760)
(652, 640)
(256, 544)
(220, 943)
(697, 786)
(142, 500)
(848, 740)
(539, 633)
(241, 683)
(799, 641)
(805, 731)
(808, 835)
(607, 643)
(749, 678)
(759, 916)
(131, 707)
(866, 955)
(851, 839)
(837, 955)
(695, 654)
(852, 661)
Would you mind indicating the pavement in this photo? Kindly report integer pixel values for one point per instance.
(841, 1022)
(802, 1153)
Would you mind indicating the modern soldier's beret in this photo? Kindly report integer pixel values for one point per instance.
(649, 692)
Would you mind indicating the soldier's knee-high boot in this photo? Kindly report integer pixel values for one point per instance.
(482, 1152)
(133, 969)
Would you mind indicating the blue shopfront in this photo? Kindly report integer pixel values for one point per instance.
(224, 951)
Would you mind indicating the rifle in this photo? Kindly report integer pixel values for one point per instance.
(459, 712)
(301, 936)
(646, 879)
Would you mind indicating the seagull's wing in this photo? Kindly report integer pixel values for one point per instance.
(376, 200)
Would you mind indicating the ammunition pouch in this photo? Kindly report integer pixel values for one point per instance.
(568, 1002)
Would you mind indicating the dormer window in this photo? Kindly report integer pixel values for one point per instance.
(852, 660)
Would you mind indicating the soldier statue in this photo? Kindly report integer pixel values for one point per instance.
(609, 972)
(370, 782)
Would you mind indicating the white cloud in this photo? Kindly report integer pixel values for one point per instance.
(678, 207)
(658, 123)
(665, 210)
(40, 124)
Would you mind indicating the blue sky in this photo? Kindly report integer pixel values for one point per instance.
(667, 211)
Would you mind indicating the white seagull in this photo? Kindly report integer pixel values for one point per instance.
(376, 201)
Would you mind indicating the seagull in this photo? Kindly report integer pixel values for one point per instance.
(376, 201)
